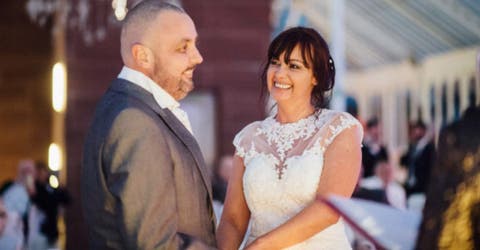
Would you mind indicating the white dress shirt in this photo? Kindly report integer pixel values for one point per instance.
(163, 99)
(395, 193)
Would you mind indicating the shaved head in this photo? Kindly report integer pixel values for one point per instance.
(138, 21)
(159, 40)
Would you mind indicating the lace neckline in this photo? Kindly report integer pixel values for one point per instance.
(299, 122)
(283, 135)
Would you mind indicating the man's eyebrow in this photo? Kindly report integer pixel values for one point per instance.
(183, 40)
(188, 39)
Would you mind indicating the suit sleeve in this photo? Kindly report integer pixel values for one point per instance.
(139, 173)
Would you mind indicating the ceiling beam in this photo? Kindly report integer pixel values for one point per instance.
(420, 22)
(395, 24)
(375, 36)
(460, 14)
(355, 47)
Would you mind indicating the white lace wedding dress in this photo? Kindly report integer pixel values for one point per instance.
(283, 164)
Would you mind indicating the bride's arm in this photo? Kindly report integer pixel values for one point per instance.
(235, 215)
(341, 168)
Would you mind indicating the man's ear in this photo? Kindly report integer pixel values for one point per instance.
(142, 56)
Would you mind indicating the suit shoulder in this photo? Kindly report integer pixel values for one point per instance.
(134, 119)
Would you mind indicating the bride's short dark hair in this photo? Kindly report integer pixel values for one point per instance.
(315, 54)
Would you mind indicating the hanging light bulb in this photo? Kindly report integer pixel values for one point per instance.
(53, 181)
(120, 7)
(55, 160)
(59, 87)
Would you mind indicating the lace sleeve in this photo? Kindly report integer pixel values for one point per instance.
(338, 124)
(237, 142)
(242, 139)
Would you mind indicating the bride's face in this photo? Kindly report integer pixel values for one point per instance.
(290, 80)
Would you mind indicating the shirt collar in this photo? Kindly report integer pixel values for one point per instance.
(162, 97)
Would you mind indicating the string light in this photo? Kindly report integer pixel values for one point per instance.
(59, 87)
(55, 157)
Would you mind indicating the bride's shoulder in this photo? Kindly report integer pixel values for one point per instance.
(244, 137)
(335, 115)
(337, 120)
(248, 130)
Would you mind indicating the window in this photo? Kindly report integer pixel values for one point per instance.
(376, 106)
(456, 100)
(432, 103)
(472, 93)
(444, 104)
(408, 105)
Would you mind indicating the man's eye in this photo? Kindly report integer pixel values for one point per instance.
(183, 48)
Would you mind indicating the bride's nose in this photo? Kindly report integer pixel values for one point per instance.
(280, 71)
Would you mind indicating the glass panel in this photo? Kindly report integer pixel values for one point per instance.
(456, 100)
(432, 103)
(472, 93)
(408, 105)
(444, 104)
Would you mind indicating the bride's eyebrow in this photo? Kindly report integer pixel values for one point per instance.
(297, 60)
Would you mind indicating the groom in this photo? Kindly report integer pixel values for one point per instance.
(144, 180)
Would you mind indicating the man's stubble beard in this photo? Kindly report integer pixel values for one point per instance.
(186, 86)
(177, 87)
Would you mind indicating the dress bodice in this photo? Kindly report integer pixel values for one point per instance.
(283, 165)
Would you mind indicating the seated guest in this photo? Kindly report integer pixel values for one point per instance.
(371, 194)
(384, 179)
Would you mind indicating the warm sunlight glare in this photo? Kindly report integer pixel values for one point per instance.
(54, 157)
(53, 180)
(59, 87)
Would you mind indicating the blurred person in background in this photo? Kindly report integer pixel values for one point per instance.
(373, 148)
(3, 217)
(16, 198)
(44, 212)
(17, 195)
(377, 194)
(384, 179)
(451, 218)
(452, 210)
(7, 240)
(418, 159)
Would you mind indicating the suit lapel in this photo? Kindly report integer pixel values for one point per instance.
(187, 138)
(171, 121)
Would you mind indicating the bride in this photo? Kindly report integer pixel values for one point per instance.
(283, 163)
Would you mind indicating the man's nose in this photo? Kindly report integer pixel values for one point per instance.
(196, 57)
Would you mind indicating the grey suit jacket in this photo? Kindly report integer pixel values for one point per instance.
(144, 180)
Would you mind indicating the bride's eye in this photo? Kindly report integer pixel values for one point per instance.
(275, 62)
(294, 66)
